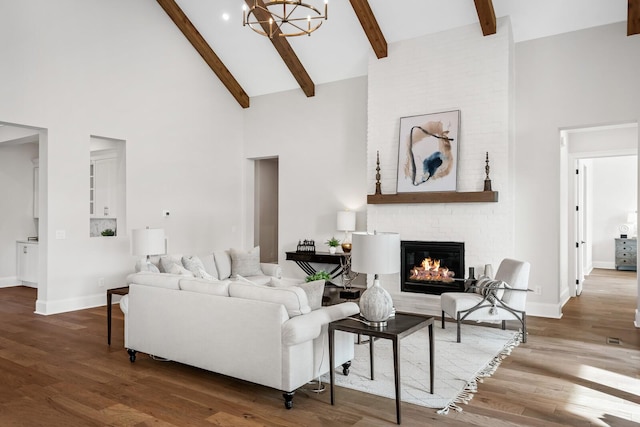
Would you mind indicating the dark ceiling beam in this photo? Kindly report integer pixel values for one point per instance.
(199, 43)
(633, 18)
(486, 16)
(370, 26)
(285, 50)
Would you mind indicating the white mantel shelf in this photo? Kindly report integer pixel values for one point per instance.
(435, 197)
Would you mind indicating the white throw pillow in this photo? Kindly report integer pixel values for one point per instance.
(178, 269)
(195, 265)
(314, 289)
(245, 263)
(167, 260)
(143, 265)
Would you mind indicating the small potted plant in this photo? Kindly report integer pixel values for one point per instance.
(319, 275)
(108, 232)
(333, 244)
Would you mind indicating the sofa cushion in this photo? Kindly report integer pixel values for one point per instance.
(204, 286)
(293, 298)
(245, 263)
(143, 265)
(167, 260)
(209, 264)
(194, 265)
(169, 281)
(223, 264)
(314, 289)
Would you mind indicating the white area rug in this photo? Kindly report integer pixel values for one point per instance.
(458, 366)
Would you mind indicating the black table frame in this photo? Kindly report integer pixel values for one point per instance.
(304, 258)
(398, 327)
(110, 292)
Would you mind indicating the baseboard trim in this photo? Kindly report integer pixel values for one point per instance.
(9, 282)
(47, 308)
(539, 309)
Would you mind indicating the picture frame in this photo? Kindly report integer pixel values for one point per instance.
(428, 152)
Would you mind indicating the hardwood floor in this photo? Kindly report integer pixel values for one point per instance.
(58, 371)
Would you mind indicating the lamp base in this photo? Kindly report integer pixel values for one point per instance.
(376, 305)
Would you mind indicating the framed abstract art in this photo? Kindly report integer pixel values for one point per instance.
(428, 152)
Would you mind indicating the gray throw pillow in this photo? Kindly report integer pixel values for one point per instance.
(245, 263)
(195, 265)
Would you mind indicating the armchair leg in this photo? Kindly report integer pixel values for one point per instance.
(504, 325)
(442, 319)
(459, 321)
(524, 328)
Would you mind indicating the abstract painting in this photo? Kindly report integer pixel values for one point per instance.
(428, 152)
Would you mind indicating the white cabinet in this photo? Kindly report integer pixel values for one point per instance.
(103, 188)
(27, 262)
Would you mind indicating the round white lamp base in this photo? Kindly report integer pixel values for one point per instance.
(376, 305)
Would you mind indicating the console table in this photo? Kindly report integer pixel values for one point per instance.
(124, 290)
(304, 258)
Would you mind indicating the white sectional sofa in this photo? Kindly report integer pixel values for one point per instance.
(258, 333)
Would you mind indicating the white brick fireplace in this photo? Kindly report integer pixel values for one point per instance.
(452, 70)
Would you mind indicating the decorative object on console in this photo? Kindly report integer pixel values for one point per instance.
(488, 271)
(283, 18)
(378, 185)
(346, 221)
(146, 242)
(428, 152)
(307, 246)
(108, 232)
(333, 244)
(487, 181)
(377, 253)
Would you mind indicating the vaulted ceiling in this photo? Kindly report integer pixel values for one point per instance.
(249, 64)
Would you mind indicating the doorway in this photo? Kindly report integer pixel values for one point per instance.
(265, 216)
(601, 176)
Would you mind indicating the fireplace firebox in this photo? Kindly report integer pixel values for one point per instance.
(431, 267)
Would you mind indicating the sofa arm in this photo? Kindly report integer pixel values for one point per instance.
(273, 270)
(308, 326)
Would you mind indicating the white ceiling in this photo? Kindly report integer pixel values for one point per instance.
(340, 49)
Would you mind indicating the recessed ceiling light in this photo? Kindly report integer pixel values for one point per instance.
(225, 16)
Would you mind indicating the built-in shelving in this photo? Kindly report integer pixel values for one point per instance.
(435, 197)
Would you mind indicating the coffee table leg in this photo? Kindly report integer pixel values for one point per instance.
(431, 356)
(396, 369)
(331, 373)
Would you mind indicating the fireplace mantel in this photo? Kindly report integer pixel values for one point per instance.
(434, 197)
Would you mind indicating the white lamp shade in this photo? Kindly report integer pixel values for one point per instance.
(346, 221)
(375, 253)
(147, 241)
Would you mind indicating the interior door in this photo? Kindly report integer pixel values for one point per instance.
(580, 223)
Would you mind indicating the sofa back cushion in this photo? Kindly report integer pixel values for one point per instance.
(223, 264)
(169, 281)
(293, 298)
(203, 286)
(245, 263)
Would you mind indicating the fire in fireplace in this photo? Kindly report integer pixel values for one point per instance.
(432, 267)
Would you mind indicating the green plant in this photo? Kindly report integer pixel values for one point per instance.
(108, 232)
(333, 242)
(318, 276)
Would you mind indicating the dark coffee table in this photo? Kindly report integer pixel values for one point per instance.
(398, 327)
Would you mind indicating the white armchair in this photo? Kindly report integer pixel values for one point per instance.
(504, 301)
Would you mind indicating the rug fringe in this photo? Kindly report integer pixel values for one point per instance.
(472, 386)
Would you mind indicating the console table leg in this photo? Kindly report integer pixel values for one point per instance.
(396, 369)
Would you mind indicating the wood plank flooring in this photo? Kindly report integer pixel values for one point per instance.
(58, 371)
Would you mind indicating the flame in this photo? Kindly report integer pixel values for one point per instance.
(430, 270)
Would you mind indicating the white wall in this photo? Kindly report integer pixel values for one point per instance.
(120, 69)
(452, 70)
(565, 81)
(320, 145)
(16, 193)
(615, 190)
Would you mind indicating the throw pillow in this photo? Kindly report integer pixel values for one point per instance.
(195, 265)
(167, 260)
(143, 265)
(314, 291)
(245, 263)
(489, 288)
(178, 269)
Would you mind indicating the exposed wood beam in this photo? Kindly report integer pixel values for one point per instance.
(633, 18)
(486, 16)
(285, 50)
(199, 43)
(370, 26)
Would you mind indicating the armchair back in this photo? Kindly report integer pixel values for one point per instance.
(515, 274)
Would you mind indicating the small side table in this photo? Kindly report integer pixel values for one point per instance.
(110, 292)
(397, 328)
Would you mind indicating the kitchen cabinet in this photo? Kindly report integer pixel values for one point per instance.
(27, 263)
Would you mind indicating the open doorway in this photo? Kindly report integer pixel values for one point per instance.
(602, 196)
(266, 208)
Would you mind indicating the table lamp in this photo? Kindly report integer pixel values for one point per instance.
(346, 221)
(146, 242)
(377, 253)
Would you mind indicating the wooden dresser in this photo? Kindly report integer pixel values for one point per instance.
(626, 254)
